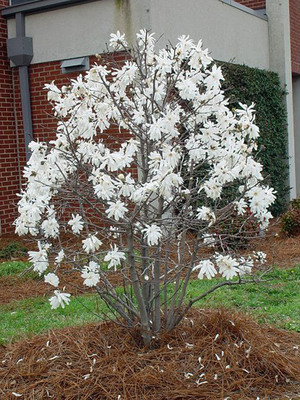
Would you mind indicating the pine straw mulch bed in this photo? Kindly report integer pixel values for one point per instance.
(212, 355)
(282, 251)
(19, 287)
(12, 288)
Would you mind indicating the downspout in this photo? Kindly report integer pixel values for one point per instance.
(20, 52)
(17, 133)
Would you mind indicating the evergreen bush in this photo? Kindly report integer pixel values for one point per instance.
(244, 84)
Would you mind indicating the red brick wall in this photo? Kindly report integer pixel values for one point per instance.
(44, 125)
(295, 27)
(254, 4)
(9, 177)
(295, 34)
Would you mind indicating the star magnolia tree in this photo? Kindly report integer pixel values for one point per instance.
(145, 202)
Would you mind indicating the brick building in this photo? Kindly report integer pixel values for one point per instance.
(294, 6)
(54, 39)
(254, 4)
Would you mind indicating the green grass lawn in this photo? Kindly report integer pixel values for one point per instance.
(34, 315)
(276, 301)
(16, 267)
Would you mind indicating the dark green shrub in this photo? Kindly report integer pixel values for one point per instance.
(295, 203)
(235, 232)
(13, 250)
(246, 85)
(290, 221)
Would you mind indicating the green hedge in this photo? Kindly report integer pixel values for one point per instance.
(246, 85)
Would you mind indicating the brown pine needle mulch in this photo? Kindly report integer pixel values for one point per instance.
(212, 355)
(14, 288)
(19, 287)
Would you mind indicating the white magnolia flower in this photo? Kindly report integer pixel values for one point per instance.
(206, 214)
(50, 227)
(76, 223)
(171, 156)
(117, 40)
(153, 234)
(209, 239)
(91, 244)
(54, 93)
(52, 279)
(184, 46)
(59, 299)
(90, 275)
(155, 129)
(187, 89)
(116, 210)
(126, 74)
(114, 257)
(90, 278)
(103, 185)
(205, 267)
(127, 186)
(60, 256)
(260, 199)
(245, 265)
(214, 78)
(39, 259)
(260, 256)
(241, 206)
(155, 159)
(168, 184)
(213, 189)
(228, 266)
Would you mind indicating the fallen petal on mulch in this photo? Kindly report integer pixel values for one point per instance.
(212, 355)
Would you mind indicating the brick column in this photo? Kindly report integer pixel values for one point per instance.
(295, 35)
